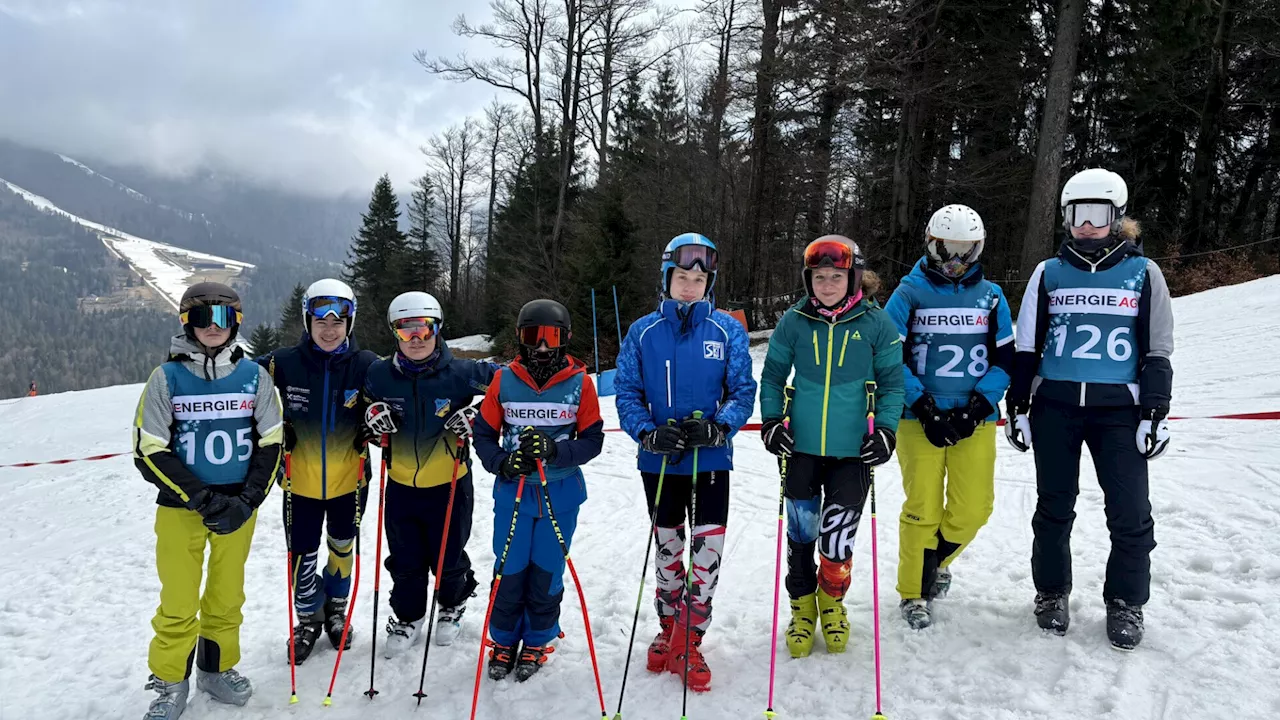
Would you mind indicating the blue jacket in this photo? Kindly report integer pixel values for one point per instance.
(957, 337)
(671, 366)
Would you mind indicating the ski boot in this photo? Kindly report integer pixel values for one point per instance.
(941, 584)
(1124, 625)
(502, 660)
(1053, 613)
(305, 634)
(660, 648)
(228, 687)
(401, 636)
(172, 701)
(449, 624)
(335, 616)
(804, 621)
(699, 677)
(917, 613)
(835, 622)
(532, 658)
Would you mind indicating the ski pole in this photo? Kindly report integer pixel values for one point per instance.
(290, 570)
(644, 573)
(582, 599)
(688, 579)
(493, 593)
(351, 609)
(435, 592)
(377, 559)
(788, 395)
(875, 563)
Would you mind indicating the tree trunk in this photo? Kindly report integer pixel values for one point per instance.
(1199, 236)
(1037, 244)
(762, 123)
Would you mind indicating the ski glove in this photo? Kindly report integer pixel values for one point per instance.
(517, 464)
(1153, 432)
(936, 423)
(380, 419)
(966, 418)
(664, 440)
(777, 438)
(290, 437)
(878, 447)
(1017, 430)
(224, 514)
(704, 432)
(536, 444)
(461, 421)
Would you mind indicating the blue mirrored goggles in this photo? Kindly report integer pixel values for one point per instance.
(224, 316)
(323, 307)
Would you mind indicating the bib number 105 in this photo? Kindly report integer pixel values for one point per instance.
(1118, 346)
(218, 447)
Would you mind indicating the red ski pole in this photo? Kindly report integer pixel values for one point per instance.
(493, 594)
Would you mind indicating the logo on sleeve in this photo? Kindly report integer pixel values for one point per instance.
(442, 407)
(349, 398)
(713, 350)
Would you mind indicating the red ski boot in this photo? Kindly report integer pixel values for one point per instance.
(660, 648)
(699, 678)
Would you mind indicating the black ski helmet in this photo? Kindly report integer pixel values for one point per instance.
(544, 312)
(209, 293)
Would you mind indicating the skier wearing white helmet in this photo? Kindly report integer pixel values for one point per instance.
(957, 336)
(320, 379)
(420, 399)
(1095, 337)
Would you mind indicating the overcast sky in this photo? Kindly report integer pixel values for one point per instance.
(318, 95)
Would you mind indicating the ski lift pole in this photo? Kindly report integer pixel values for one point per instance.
(595, 335)
(617, 318)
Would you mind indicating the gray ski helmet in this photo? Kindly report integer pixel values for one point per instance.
(209, 293)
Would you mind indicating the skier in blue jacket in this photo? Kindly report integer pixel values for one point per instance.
(957, 337)
(686, 357)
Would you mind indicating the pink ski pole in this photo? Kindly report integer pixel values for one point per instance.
(875, 563)
(788, 394)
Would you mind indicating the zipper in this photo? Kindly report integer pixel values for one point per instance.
(1082, 391)
(416, 464)
(826, 390)
(816, 360)
(669, 405)
(324, 434)
(844, 346)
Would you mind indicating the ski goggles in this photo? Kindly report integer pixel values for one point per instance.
(831, 253)
(686, 257)
(1099, 215)
(202, 316)
(422, 328)
(322, 307)
(535, 335)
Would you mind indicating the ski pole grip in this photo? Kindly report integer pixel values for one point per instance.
(870, 387)
(788, 397)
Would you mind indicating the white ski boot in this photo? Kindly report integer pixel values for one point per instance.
(401, 636)
(228, 687)
(172, 701)
(449, 624)
(917, 613)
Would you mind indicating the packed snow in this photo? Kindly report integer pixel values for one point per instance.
(471, 343)
(80, 585)
(113, 183)
(147, 257)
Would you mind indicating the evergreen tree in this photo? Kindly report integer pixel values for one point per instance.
(264, 339)
(424, 267)
(290, 317)
(378, 263)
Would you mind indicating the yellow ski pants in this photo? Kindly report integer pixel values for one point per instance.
(184, 614)
(950, 493)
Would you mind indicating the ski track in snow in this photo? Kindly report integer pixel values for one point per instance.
(79, 584)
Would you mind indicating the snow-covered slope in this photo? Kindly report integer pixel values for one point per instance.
(79, 584)
(166, 268)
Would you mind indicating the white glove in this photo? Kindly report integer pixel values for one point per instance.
(378, 418)
(1017, 430)
(1153, 438)
(459, 423)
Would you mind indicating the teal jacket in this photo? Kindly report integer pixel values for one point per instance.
(833, 362)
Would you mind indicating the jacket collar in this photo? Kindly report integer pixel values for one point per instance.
(922, 271)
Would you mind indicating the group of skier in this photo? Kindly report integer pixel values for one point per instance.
(1090, 364)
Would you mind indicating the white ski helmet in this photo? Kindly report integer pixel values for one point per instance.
(954, 239)
(338, 291)
(1093, 187)
(414, 304)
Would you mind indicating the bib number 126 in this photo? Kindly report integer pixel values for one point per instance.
(1118, 346)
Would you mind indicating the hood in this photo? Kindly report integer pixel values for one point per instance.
(194, 358)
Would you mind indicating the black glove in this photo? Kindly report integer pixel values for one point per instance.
(937, 427)
(966, 418)
(777, 438)
(704, 432)
(364, 436)
(878, 447)
(537, 445)
(224, 514)
(664, 440)
(517, 464)
(290, 437)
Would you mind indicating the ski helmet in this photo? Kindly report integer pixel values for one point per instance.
(542, 321)
(954, 240)
(1095, 196)
(686, 252)
(329, 297)
(415, 313)
(834, 251)
(210, 295)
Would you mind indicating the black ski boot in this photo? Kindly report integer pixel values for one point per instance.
(335, 616)
(1052, 612)
(502, 660)
(532, 660)
(1124, 625)
(305, 634)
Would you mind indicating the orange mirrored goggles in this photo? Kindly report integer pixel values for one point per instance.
(831, 253)
(534, 335)
(423, 328)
